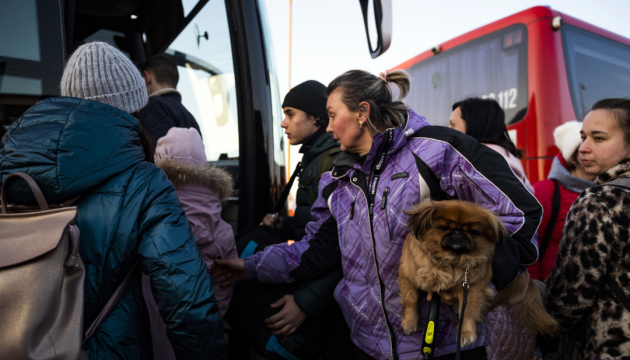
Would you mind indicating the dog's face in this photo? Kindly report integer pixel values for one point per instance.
(453, 228)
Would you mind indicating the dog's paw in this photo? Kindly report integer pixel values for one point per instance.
(409, 324)
(468, 337)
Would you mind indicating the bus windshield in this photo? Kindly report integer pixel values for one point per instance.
(597, 68)
(203, 53)
(492, 66)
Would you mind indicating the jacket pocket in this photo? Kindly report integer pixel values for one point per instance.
(386, 211)
(477, 187)
(345, 235)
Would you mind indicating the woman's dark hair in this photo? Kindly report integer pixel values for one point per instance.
(357, 86)
(485, 121)
(147, 143)
(620, 108)
(147, 146)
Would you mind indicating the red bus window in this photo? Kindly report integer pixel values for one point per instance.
(494, 66)
(597, 68)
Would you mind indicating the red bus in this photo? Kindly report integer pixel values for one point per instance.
(542, 66)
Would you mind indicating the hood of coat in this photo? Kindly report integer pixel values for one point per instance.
(69, 146)
(560, 172)
(209, 176)
(181, 154)
(182, 145)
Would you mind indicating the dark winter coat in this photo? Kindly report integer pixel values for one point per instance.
(128, 210)
(164, 111)
(595, 246)
(312, 296)
(318, 145)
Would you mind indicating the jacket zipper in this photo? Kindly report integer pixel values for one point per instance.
(373, 185)
(384, 208)
(349, 220)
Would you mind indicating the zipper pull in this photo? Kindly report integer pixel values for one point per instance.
(384, 200)
(352, 208)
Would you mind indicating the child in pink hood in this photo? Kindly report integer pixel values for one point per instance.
(200, 188)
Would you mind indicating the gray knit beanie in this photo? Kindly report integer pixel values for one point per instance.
(100, 72)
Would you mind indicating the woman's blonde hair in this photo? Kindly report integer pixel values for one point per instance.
(357, 86)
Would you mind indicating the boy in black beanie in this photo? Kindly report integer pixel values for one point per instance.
(288, 319)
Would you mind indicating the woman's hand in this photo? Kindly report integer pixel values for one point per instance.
(272, 221)
(228, 271)
(287, 320)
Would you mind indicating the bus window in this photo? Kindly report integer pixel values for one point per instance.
(276, 99)
(597, 68)
(31, 55)
(492, 66)
(203, 53)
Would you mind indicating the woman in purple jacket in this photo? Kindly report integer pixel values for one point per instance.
(392, 157)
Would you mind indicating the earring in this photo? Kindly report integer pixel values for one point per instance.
(360, 125)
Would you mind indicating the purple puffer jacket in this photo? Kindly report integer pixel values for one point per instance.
(369, 246)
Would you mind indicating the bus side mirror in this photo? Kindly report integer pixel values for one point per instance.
(381, 22)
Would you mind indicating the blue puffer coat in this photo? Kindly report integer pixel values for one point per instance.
(128, 209)
(369, 239)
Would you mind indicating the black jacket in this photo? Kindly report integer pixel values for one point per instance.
(318, 151)
(163, 112)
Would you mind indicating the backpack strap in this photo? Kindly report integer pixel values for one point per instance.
(111, 302)
(622, 182)
(287, 188)
(617, 291)
(37, 192)
(555, 208)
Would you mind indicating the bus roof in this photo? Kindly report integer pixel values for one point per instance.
(524, 17)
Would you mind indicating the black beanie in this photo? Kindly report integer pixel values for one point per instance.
(310, 97)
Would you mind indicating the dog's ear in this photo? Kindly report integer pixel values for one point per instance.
(421, 217)
(498, 230)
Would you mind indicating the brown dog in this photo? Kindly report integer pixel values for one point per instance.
(446, 238)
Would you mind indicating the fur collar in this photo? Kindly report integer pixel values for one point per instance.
(618, 171)
(212, 177)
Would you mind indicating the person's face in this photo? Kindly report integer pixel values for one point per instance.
(343, 124)
(456, 122)
(297, 125)
(603, 144)
(578, 167)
